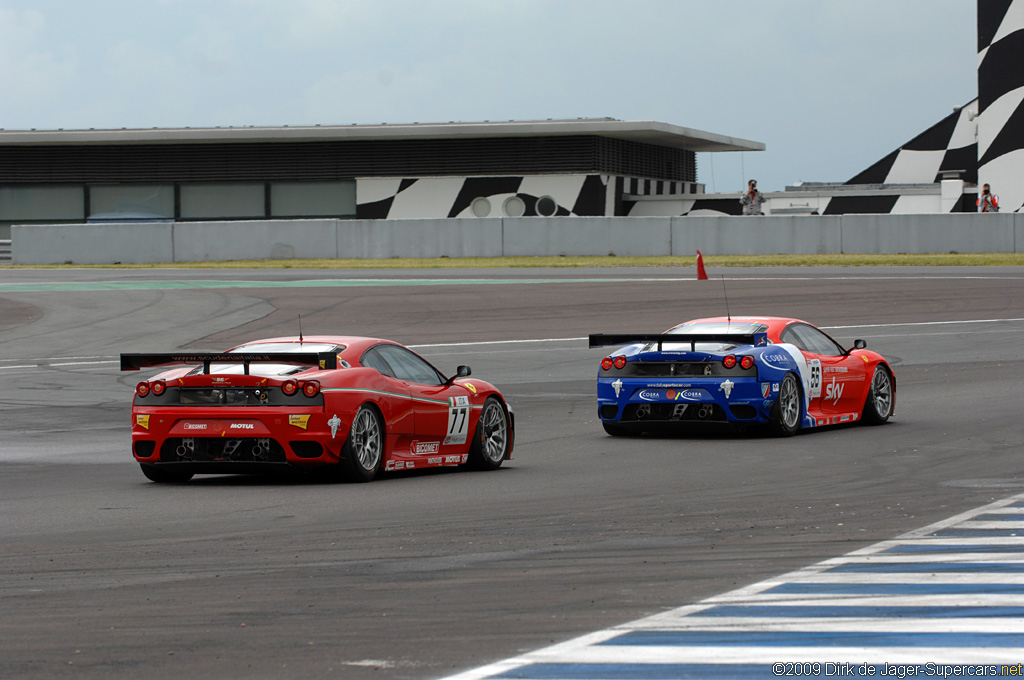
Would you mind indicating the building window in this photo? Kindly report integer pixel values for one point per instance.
(33, 204)
(219, 201)
(313, 199)
(546, 206)
(514, 207)
(132, 200)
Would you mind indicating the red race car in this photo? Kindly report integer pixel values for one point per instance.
(350, 405)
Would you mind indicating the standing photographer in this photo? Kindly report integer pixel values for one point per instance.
(987, 202)
(752, 200)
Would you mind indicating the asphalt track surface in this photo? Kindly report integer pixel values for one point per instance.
(422, 575)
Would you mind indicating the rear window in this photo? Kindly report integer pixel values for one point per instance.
(272, 370)
(738, 329)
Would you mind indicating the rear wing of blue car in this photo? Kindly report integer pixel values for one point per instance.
(324, 360)
(618, 339)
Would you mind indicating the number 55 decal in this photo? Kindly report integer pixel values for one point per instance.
(458, 420)
(815, 383)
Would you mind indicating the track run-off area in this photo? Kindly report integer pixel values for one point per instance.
(841, 552)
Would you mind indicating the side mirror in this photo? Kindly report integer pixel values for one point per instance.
(859, 344)
(460, 372)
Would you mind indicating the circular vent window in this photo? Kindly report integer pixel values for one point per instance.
(481, 207)
(546, 206)
(514, 206)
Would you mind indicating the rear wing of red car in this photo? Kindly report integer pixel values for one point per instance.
(323, 360)
(609, 339)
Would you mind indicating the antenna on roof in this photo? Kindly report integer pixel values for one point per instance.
(300, 329)
(728, 316)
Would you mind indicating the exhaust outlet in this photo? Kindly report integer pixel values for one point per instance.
(186, 448)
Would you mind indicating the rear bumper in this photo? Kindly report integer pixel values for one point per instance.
(739, 400)
(235, 438)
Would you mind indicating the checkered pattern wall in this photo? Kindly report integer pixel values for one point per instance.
(1001, 99)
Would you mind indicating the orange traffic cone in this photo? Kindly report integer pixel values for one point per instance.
(701, 274)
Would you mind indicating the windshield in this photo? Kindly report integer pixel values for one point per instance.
(272, 370)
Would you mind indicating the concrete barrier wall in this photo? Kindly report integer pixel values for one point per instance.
(107, 243)
(788, 234)
(579, 236)
(255, 240)
(92, 243)
(382, 239)
(953, 233)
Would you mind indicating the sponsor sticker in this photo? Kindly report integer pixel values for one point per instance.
(241, 426)
(334, 423)
(837, 369)
(299, 421)
(672, 395)
(834, 392)
(142, 421)
(195, 426)
(766, 389)
(777, 359)
(425, 447)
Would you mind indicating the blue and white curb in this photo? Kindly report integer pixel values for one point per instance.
(943, 601)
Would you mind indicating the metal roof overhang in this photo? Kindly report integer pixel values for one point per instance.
(647, 132)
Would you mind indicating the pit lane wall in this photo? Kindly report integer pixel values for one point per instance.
(153, 242)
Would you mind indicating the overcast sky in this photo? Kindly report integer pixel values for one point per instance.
(830, 86)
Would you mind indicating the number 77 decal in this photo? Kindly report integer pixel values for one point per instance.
(458, 420)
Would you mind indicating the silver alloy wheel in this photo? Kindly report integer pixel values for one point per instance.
(881, 392)
(789, 402)
(365, 438)
(495, 431)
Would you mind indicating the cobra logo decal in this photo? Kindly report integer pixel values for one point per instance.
(777, 359)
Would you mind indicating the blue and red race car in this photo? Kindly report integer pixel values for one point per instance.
(351, 405)
(783, 373)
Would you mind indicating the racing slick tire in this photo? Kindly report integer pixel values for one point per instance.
(785, 417)
(617, 430)
(491, 438)
(363, 453)
(164, 476)
(880, 400)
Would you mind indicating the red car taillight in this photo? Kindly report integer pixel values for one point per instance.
(729, 361)
(157, 387)
(606, 363)
(142, 389)
(620, 361)
(289, 387)
(747, 362)
(311, 388)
